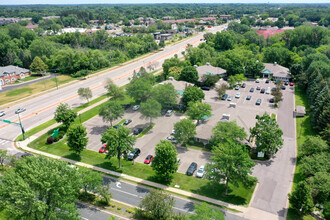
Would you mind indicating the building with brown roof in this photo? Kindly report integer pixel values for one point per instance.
(277, 71)
(208, 69)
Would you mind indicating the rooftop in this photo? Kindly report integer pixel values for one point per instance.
(209, 70)
(277, 70)
(12, 69)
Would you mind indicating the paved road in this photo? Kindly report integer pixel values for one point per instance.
(7, 88)
(41, 108)
(89, 213)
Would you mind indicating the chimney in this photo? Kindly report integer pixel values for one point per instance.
(207, 64)
(275, 63)
(195, 66)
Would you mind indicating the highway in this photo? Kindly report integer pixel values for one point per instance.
(41, 108)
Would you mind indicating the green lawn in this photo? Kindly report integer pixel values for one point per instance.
(146, 130)
(18, 91)
(304, 128)
(237, 195)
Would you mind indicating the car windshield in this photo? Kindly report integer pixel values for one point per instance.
(131, 154)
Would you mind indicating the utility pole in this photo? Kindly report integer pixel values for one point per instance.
(22, 129)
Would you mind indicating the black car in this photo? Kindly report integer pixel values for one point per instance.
(134, 154)
(137, 131)
(243, 85)
(274, 89)
(192, 168)
(205, 88)
(126, 106)
(258, 102)
(248, 97)
(164, 111)
(262, 91)
(127, 121)
(252, 90)
(267, 81)
(271, 100)
(283, 87)
(286, 83)
(224, 97)
(26, 155)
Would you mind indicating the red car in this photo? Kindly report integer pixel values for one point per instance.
(148, 159)
(103, 149)
(291, 84)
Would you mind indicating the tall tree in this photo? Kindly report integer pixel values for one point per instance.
(267, 134)
(198, 110)
(110, 111)
(158, 204)
(301, 198)
(139, 89)
(38, 65)
(119, 142)
(150, 109)
(192, 94)
(91, 180)
(165, 162)
(203, 211)
(231, 163)
(77, 140)
(226, 132)
(313, 145)
(165, 94)
(65, 114)
(221, 90)
(45, 189)
(184, 130)
(189, 74)
(3, 156)
(113, 90)
(85, 93)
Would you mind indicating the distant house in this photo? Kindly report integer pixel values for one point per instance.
(51, 17)
(32, 26)
(208, 69)
(270, 32)
(277, 71)
(9, 74)
(162, 37)
(225, 17)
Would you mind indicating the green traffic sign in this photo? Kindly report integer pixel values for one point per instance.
(6, 121)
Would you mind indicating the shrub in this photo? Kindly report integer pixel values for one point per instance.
(119, 207)
(80, 73)
(50, 140)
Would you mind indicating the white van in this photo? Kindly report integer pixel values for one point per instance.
(268, 90)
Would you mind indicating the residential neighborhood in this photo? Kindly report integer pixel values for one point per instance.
(164, 111)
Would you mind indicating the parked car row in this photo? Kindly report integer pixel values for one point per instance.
(193, 167)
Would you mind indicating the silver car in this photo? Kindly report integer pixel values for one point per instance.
(200, 172)
(2, 113)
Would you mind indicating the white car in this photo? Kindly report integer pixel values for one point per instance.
(238, 95)
(172, 139)
(257, 80)
(136, 107)
(173, 132)
(2, 113)
(169, 113)
(200, 172)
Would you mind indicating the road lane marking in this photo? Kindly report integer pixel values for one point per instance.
(118, 184)
(131, 194)
(183, 210)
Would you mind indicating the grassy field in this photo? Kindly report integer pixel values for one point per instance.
(35, 88)
(304, 128)
(237, 195)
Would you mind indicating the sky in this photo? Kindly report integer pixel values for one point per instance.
(26, 2)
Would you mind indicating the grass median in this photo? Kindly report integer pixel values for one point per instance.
(237, 195)
(303, 129)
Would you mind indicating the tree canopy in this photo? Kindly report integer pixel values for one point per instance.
(111, 111)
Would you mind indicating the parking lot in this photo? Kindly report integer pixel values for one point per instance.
(244, 114)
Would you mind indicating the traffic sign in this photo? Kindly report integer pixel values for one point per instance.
(6, 121)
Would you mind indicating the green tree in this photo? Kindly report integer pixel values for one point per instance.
(320, 184)
(224, 40)
(3, 156)
(301, 198)
(175, 71)
(277, 94)
(139, 89)
(104, 192)
(168, 63)
(119, 142)
(227, 132)
(85, 93)
(198, 110)
(65, 115)
(45, 189)
(110, 111)
(150, 109)
(165, 94)
(267, 134)
(315, 163)
(313, 145)
(91, 180)
(38, 65)
(165, 161)
(221, 90)
(254, 67)
(189, 74)
(231, 163)
(209, 80)
(184, 130)
(192, 94)
(77, 140)
(113, 90)
(158, 204)
(203, 211)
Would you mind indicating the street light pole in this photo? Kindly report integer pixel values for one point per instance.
(22, 129)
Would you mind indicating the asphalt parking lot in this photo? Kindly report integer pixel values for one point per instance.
(244, 114)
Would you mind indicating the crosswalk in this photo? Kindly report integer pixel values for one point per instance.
(3, 142)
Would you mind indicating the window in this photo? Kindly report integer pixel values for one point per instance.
(5, 74)
(11, 74)
(13, 79)
(1, 82)
(7, 81)
(22, 76)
